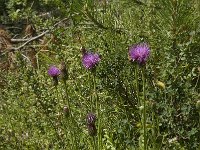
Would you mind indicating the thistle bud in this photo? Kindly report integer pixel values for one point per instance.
(91, 118)
(66, 111)
(141, 108)
(160, 84)
(83, 50)
(92, 131)
(63, 71)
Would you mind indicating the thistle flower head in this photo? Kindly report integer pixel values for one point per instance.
(91, 118)
(90, 60)
(139, 53)
(53, 71)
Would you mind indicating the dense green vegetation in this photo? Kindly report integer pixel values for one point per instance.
(35, 114)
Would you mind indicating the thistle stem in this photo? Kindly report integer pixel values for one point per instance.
(70, 115)
(57, 95)
(94, 143)
(68, 104)
(98, 113)
(91, 97)
(154, 130)
(137, 85)
(144, 110)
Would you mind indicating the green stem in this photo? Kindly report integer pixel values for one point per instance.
(98, 113)
(72, 133)
(54, 127)
(57, 94)
(91, 97)
(66, 129)
(49, 119)
(94, 143)
(199, 123)
(144, 110)
(68, 104)
(154, 130)
(137, 85)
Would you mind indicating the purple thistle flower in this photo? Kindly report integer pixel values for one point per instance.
(139, 53)
(90, 60)
(91, 118)
(53, 71)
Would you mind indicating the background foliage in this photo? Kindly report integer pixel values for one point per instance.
(30, 112)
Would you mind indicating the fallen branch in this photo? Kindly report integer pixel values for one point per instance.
(30, 40)
(19, 40)
(33, 38)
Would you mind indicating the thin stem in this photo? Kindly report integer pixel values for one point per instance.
(54, 127)
(137, 85)
(68, 104)
(66, 128)
(154, 130)
(199, 121)
(49, 119)
(70, 115)
(98, 113)
(57, 94)
(144, 110)
(94, 142)
(91, 97)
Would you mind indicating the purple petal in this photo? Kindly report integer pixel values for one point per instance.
(90, 60)
(139, 53)
(53, 71)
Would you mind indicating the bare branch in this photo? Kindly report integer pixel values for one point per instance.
(19, 40)
(33, 38)
(30, 40)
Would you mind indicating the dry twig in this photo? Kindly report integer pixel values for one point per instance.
(33, 38)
